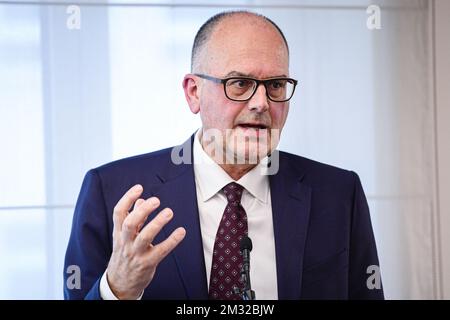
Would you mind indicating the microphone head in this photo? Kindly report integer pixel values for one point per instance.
(246, 244)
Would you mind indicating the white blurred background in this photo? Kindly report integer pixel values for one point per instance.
(373, 101)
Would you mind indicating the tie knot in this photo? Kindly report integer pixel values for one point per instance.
(233, 192)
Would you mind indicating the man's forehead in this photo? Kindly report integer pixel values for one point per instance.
(257, 61)
(250, 74)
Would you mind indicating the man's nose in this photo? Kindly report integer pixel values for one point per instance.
(259, 101)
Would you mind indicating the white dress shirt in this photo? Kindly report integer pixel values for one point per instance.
(210, 178)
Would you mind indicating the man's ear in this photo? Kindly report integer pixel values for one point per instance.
(192, 92)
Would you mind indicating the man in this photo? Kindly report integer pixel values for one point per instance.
(309, 222)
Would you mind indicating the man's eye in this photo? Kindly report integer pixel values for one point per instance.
(277, 84)
(240, 83)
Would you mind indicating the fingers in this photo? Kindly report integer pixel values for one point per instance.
(138, 203)
(124, 204)
(135, 219)
(146, 236)
(161, 250)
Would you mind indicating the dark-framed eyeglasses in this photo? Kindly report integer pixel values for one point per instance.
(278, 89)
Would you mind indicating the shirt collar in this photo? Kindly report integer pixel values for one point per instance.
(211, 178)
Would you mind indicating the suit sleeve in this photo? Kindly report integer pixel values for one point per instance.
(89, 247)
(363, 282)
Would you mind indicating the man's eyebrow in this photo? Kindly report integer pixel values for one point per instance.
(250, 75)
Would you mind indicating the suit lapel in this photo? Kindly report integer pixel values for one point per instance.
(290, 209)
(179, 193)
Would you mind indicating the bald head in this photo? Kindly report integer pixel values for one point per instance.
(225, 27)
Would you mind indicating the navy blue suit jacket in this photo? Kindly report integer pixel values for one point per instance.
(323, 235)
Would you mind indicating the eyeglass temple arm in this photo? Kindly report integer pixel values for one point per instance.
(204, 76)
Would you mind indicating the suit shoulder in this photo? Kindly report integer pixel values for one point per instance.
(144, 163)
(319, 173)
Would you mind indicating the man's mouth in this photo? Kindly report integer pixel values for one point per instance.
(253, 126)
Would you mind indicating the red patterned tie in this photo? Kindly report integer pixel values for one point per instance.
(227, 258)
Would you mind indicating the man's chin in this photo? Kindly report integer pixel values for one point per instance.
(240, 146)
(248, 156)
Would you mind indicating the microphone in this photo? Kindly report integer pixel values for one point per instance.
(246, 246)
